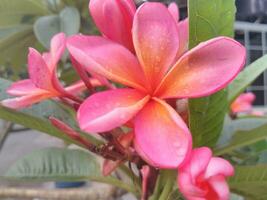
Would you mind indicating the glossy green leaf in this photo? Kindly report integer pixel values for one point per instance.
(243, 138)
(250, 181)
(208, 19)
(246, 77)
(54, 164)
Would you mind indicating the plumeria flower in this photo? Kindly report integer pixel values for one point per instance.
(43, 82)
(244, 104)
(203, 177)
(114, 18)
(161, 136)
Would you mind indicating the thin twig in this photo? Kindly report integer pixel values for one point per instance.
(3, 134)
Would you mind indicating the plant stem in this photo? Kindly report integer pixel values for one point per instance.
(164, 185)
(167, 189)
(116, 182)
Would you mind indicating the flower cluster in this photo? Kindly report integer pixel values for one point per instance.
(146, 51)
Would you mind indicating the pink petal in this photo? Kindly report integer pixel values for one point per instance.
(114, 19)
(174, 10)
(104, 111)
(57, 48)
(39, 72)
(25, 101)
(48, 59)
(23, 87)
(84, 76)
(183, 31)
(188, 188)
(219, 166)
(204, 70)
(161, 135)
(78, 87)
(198, 162)
(220, 187)
(110, 166)
(156, 40)
(243, 103)
(106, 58)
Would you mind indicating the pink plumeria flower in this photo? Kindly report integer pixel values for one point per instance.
(161, 136)
(243, 103)
(203, 177)
(43, 82)
(114, 18)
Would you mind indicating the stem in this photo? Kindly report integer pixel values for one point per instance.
(3, 134)
(167, 189)
(118, 183)
(164, 185)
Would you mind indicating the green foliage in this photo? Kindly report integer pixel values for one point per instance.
(208, 19)
(243, 124)
(54, 164)
(244, 138)
(16, 35)
(250, 181)
(246, 77)
(67, 21)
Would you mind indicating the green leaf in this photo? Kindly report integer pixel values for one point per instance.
(14, 43)
(45, 28)
(16, 11)
(68, 21)
(54, 164)
(246, 77)
(250, 181)
(208, 19)
(242, 124)
(16, 34)
(243, 138)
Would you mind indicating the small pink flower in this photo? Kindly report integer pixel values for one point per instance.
(203, 177)
(243, 103)
(161, 136)
(43, 82)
